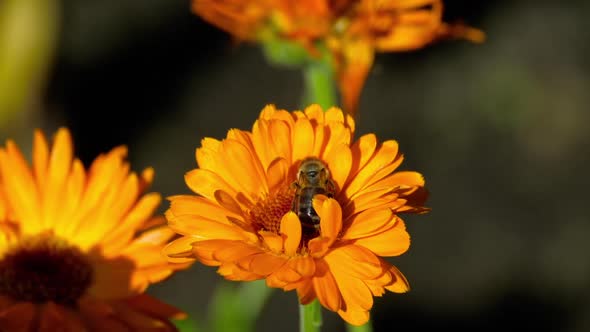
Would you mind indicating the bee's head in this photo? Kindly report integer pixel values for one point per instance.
(312, 172)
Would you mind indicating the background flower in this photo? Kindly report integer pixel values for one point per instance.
(78, 248)
(352, 31)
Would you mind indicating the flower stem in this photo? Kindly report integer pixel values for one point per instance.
(319, 84)
(368, 327)
(310, 317)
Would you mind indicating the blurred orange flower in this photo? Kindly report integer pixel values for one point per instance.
(241, 219)
(78, 247)
(353, 30)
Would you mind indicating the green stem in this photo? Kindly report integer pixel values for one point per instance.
(368, 327)
(319, 84)
(310, 317)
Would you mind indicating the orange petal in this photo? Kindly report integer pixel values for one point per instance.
(227, 251)
(279, 135)
(354, 317)
(245, 170)
(358, 59)
(400, 283)
(40, 157)
(338, 134)
(151, 239)
(319, 246)
(321, 135)
(100, 307)
(196, 205)
(105, 175)
(260, 137)
(315, 112)
(226, 201)
(206, 183)
(206, 229)
(303, 136)
(206, 251)
(265, 263)
(407, 178)
(368, 223)
(20, 187)
(139, 321)
(272, 240)
(74, 193)
(330, 218)
(147, 177)
(362, 150)
(97, 321)
(375, 182)
(180, 246)
(243, 137)
(267, 111)
(326, 288)
(367, 199)
(282, 277)
(340, 163)
(355, 261)
(207, 155)
(383, 157)
(18, 317)
(135, 219)
(112, 278)
(304, 265)
(350, 123)
(51, 318)
(231, 271)
(285, 116)
(60, 163)
(276, 174)
(72, 320)
(355, 294)
(306, 292)
(392, 242)
(291, 229)
(334, 114)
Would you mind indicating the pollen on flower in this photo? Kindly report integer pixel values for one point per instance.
(267, 213)
(45, 268)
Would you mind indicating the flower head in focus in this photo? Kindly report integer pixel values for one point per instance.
(351, 30)
(78, 247)
(242, 219)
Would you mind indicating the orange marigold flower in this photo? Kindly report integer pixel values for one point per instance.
(353, 30)
(79, 247)
(242, 219)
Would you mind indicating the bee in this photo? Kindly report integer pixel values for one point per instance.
(313, 178)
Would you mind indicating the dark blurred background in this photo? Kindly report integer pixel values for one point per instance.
(500, 131)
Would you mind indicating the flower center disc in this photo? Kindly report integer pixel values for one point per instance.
(267, 213)
(44, 268)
